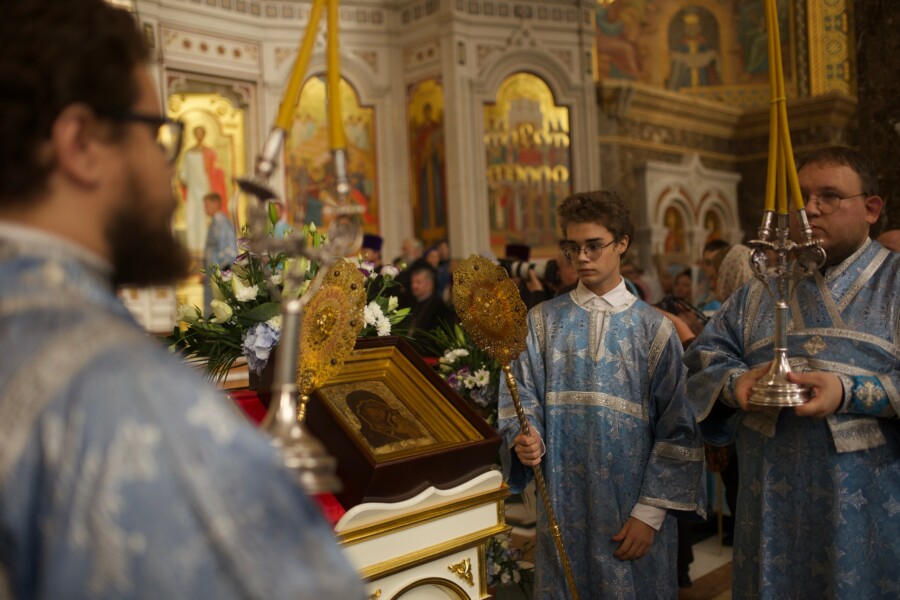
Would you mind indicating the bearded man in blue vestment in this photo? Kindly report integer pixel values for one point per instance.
(818, 512)
(123, 474)
(602, 385)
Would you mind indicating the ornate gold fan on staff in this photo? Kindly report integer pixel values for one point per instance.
(328, 325)
(492, 312)
(774, 389)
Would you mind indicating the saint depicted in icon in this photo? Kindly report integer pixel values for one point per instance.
(694, 50)
(674, 231)
(428, 158)
(200, 175)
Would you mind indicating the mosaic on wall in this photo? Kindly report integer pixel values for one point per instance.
(212, 156)
(528, 164)
(716, 50)
(425, 112)
(309, 168)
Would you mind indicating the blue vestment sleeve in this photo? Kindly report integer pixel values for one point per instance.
(673, 477)
(714, 360)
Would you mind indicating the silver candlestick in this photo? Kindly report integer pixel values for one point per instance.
(774, 389)
(301, 451)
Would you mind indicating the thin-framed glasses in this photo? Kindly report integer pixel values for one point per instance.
(592, 249)
(828, 202)
(169, 132)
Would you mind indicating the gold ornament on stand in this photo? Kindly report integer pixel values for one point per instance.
(492, 312)
(774, 389)
(331, 323)
(319, 341)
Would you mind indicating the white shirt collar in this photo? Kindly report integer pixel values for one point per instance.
(614, 298)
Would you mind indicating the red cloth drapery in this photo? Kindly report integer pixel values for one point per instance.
(249, 402)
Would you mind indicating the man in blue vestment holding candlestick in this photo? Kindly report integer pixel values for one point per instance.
(819, 492)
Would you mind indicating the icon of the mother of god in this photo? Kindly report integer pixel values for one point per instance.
(380, 423)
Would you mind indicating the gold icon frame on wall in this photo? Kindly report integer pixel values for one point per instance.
(225, 130)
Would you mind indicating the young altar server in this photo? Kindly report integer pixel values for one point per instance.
(602, 385)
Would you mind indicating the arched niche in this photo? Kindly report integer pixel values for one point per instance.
(698, 196)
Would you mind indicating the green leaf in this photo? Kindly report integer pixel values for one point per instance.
(261, 313)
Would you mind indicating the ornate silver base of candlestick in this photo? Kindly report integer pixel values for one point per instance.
(300, 450)
(774, 389)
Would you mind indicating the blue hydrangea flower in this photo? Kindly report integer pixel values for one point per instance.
(258, 343)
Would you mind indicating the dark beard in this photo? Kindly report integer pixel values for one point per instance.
(144, 253)
(842, 252)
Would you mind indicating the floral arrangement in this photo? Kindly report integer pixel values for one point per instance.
(505, 563)
(470, 371)
(246, 307)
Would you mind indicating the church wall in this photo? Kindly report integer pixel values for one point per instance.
(640, 123)
(877, 22)
(617, 123)
(385, 48)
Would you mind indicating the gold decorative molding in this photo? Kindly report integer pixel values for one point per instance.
(425, 555)
(830, 40)
(181, 44)
(649, 104)
(369, 57)
(463, 570)
(422, 54)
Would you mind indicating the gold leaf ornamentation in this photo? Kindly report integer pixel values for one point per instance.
(490, 308)
(331, 322)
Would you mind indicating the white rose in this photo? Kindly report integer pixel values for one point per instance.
(188, 313)
(389, 271)
(221, 311)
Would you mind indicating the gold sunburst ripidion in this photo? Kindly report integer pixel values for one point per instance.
(331, 322)
(490, 308)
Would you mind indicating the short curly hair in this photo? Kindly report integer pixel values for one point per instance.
(603, 207)
(55, 53)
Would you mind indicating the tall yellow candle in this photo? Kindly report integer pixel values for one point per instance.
(292, 94)
(336, 137)
(773, 121)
